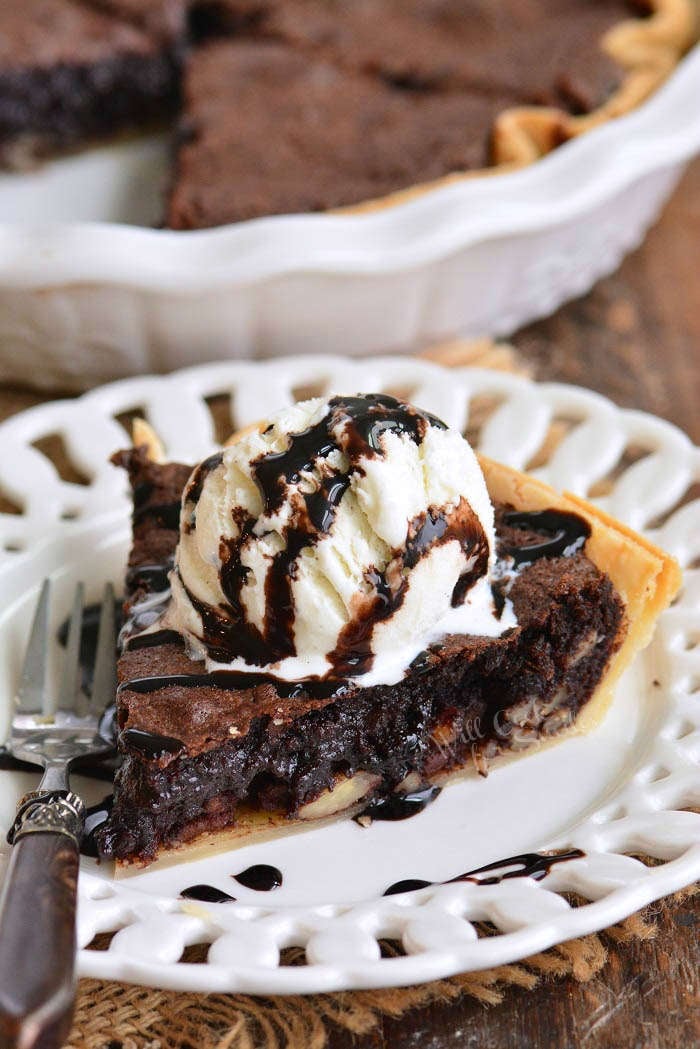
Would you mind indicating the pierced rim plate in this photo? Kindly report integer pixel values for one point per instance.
(624, 791)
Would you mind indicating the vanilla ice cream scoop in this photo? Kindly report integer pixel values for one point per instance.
(338, 541)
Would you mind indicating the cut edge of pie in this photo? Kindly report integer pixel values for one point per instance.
(645, 577)
(648, 50)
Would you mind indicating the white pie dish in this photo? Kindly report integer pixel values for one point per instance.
(85, 297)
(624, 789)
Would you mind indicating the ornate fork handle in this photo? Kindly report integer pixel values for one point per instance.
(53, 812)
(37, 922)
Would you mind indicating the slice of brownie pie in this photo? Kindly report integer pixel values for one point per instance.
(316, 614)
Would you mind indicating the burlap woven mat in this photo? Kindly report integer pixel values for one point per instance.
(118, 1016)
(115, 1016)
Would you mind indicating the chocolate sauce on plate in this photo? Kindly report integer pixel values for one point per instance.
(535, 865)
(399, 806)
(261, 877)
(207, 894)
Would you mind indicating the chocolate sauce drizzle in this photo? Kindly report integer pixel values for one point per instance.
(261, 877)
(354, 426)
(567, 533)
(153, 639)
(206, 894)
(151, 577)
(194, 488)
(353, 653)
(151, 744)
(195, 485)
(322, 505)
(95, 818)
(535, 865)
(152, 583)
(394, 807)
(235, 681)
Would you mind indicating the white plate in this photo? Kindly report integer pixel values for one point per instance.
(84, 298)
(620, 791)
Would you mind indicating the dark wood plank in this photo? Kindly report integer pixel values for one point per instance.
(636, 336)
(646, 997)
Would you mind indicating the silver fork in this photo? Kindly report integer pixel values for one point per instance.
(38, 901)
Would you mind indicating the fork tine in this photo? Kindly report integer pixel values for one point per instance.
(32, 685)
(105, 675)
(69, 695)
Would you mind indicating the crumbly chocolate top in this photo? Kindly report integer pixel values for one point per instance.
(166, 18)
(305, 135)
(310, 105)
(541, 51)
(44, 33)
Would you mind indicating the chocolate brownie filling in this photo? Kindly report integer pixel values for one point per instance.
(211, 748)
(68, 73)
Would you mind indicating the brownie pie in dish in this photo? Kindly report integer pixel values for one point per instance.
(343, 608)
(308, 105)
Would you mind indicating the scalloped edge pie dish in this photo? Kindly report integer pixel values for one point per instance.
(83, 302)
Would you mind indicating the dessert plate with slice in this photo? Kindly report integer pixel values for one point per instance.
(567, 839)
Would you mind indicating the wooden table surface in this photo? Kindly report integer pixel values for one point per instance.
(635, 338)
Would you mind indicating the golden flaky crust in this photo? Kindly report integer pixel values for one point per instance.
(645, 577)
(648, 50)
